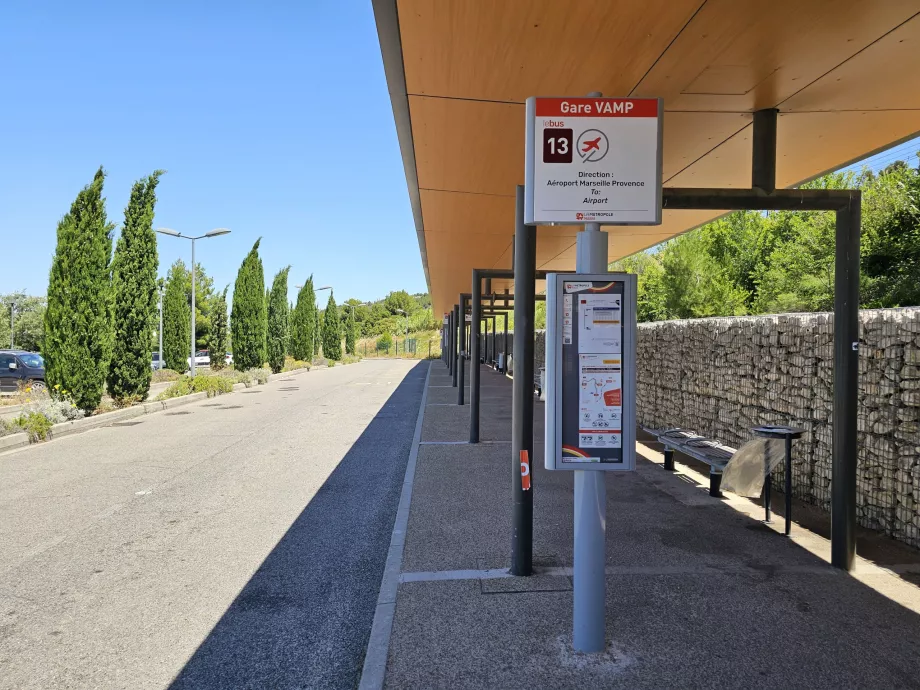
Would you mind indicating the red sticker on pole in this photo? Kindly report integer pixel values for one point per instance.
(525, 471)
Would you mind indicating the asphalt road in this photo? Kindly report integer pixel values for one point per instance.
(232, 543)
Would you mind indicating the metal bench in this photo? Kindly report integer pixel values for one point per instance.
(707, 450)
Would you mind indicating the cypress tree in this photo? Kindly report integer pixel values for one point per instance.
(332, 343)
(268, 293)
(247, 320)
(78, 319)
(177, 318)
(218, 343)
(312, 319)
(302, 321)
(134, 288)
(278, 320)
(350, 331)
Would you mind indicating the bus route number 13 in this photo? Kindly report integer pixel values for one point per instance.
(557, 145)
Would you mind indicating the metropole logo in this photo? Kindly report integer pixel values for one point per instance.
(592, 145)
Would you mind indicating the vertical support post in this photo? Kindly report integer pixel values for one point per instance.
(846, 378)
(160, 362)
(763, 152)
(460, 360)
(475, 308)
(505, 342)
(453, 346)
(447, 330)
(589, 621)
(525, 266)
(788, 497)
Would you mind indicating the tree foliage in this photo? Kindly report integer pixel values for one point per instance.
(278, 321)
(177, 317)
(248, 318)
(753, 263)
(78, 318)
(134, 287)
(332, 343)
(303, 323)
(350, 331)
(218, 343)
(28, 321)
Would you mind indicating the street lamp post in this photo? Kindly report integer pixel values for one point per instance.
(160, 355)
(213, 233)
(12, 321)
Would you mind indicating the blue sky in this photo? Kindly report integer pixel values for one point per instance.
(271, 118)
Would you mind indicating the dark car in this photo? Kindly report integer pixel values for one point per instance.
(18, 367)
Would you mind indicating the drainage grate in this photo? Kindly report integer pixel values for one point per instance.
(173, 414)
(126, 423)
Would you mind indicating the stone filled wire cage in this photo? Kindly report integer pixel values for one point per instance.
(723, 376)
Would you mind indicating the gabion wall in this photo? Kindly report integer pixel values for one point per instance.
(722, 376)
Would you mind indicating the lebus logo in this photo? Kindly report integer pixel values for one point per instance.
(592, 145)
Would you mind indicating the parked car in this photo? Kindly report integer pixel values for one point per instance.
(228, 360)
(19, 367)
(202, 359)
(156, 363)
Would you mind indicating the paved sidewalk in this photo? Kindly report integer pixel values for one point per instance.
(700, 594)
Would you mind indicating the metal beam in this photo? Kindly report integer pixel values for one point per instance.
(455, 339)
(755, 199)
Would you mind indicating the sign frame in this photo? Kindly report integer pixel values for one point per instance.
(557, 381)
(530, 163)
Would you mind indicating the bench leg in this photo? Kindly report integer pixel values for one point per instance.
(715, 482)
(669, 459)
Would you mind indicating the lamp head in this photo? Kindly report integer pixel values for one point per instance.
(217, 231)
(168, 231)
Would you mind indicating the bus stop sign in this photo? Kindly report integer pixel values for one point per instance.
(593, 160)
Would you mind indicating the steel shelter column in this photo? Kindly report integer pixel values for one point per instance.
(460, 360)
(475, 308)
(454, 342)
(525, 264)
(846, 380)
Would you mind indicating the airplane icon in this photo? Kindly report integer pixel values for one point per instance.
(589, 145)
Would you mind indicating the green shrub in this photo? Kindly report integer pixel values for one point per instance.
(36, 425)
(210, 384)
(260, 375)
(236, 376)
(351, 359)
(164, 375)
(9, 427)
(291, 364)
(331, 363)
(385, 342)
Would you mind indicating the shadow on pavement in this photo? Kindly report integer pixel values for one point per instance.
(304, 617)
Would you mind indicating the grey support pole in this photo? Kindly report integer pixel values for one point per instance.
(475, 308)
(525, 264)
(453, 345)
(505, 343)
(846, 380)
(460, 359)
(588, 629)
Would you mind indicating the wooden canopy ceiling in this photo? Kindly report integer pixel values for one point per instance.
(844, 74)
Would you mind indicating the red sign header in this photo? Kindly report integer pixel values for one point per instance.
(597, 107)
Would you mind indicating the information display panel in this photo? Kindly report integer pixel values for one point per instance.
(591, 371)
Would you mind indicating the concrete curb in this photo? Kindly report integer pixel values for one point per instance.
(378, 645)
(77, 426)
(14, 410)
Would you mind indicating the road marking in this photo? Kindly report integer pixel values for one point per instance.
(378, 646)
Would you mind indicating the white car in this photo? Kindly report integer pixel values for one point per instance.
(202, 359)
